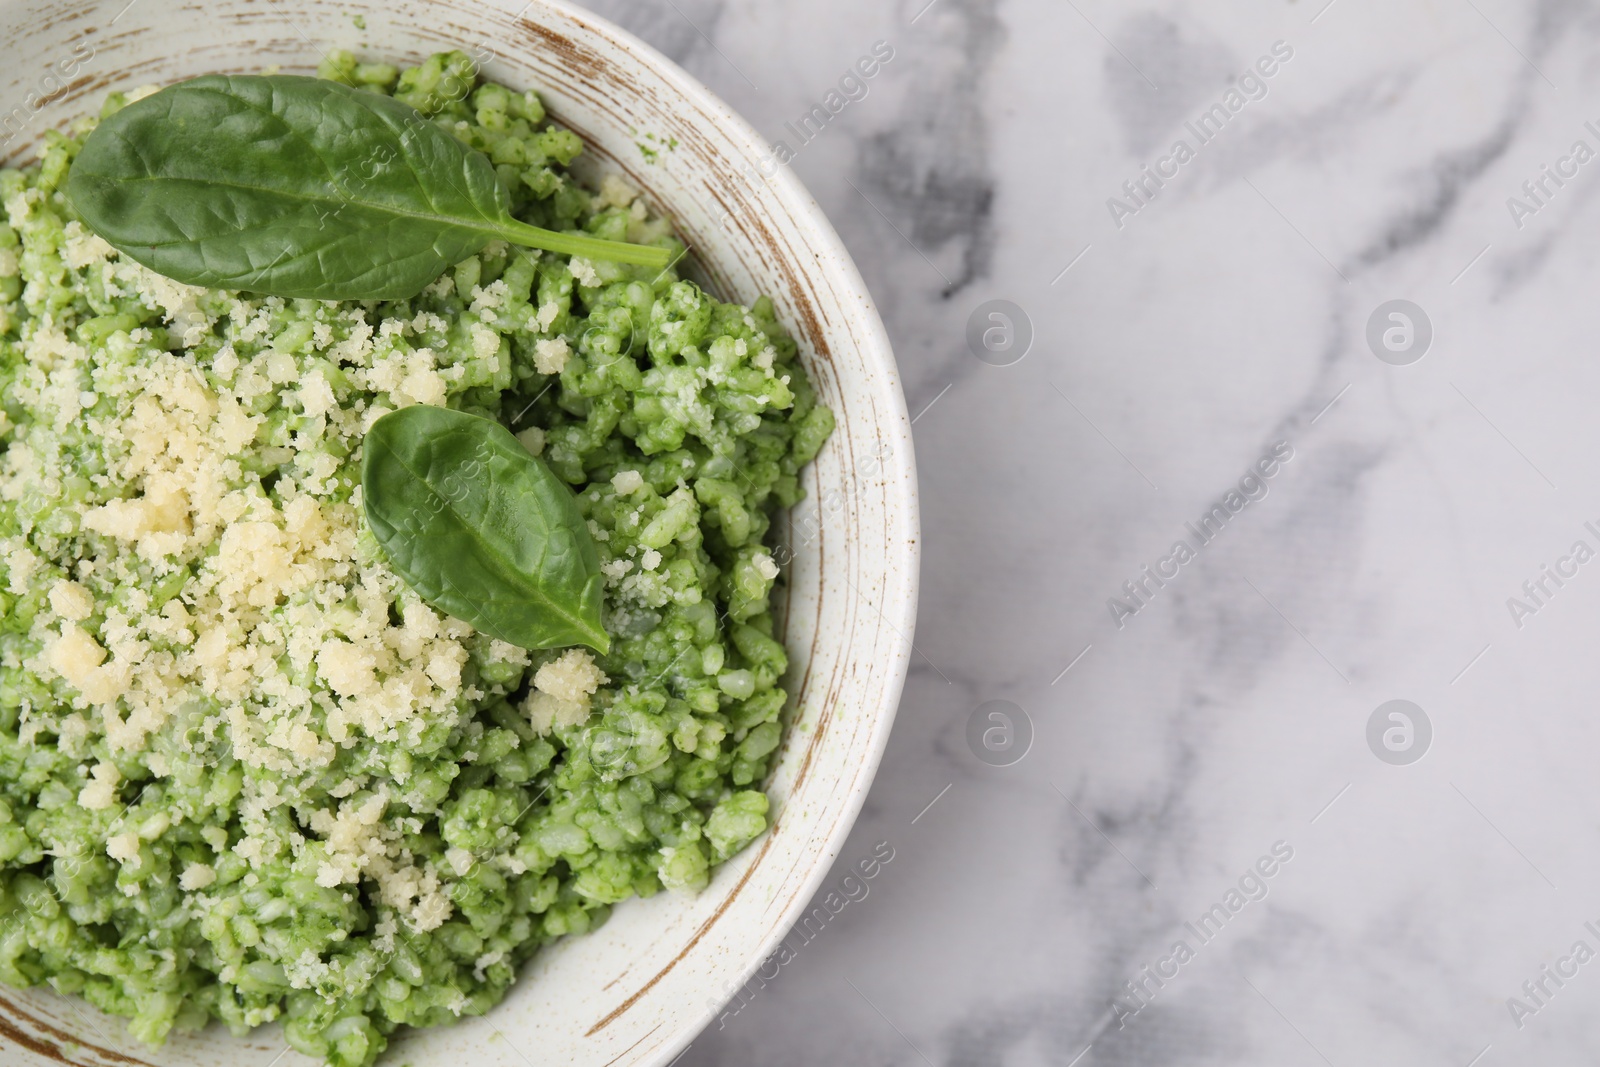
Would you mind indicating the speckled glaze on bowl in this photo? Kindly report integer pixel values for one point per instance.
(639, 989)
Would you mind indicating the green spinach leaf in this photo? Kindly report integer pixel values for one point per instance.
(481, 529)
(299, 187)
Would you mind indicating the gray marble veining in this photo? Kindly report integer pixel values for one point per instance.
(1418, 910)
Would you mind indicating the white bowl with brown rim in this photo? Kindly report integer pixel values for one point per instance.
(640, 988)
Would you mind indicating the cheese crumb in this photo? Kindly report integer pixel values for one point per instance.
(346, 669)
(422, 384)
(101, 793)
(584, 271)
(281, 368)
(306, 970)
(71, 601)
(485, 344)
(20, 562)
(766, 566)
(123, 847)
(550, 357)
(625, 482)
(197, 876)
(573, 677)
(546, 712)
(82, 248)
(77, 657)
(615, 192)
(73, 733)
(431, 912)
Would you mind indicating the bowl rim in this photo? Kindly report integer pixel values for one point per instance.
(898, 475)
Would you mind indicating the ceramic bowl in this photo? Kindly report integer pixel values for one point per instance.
(639, 989)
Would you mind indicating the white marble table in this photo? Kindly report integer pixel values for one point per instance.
(1384, 560)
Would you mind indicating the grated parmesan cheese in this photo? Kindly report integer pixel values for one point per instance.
(546, 712)
(101, 792)
(550, 357)
(573, 677)
(196, 876)
(584, 271)
(616, 192)
(123, 848)
(71, 601)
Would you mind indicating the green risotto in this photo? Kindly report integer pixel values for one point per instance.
(245, 772)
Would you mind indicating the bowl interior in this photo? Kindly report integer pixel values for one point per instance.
(637, 990)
